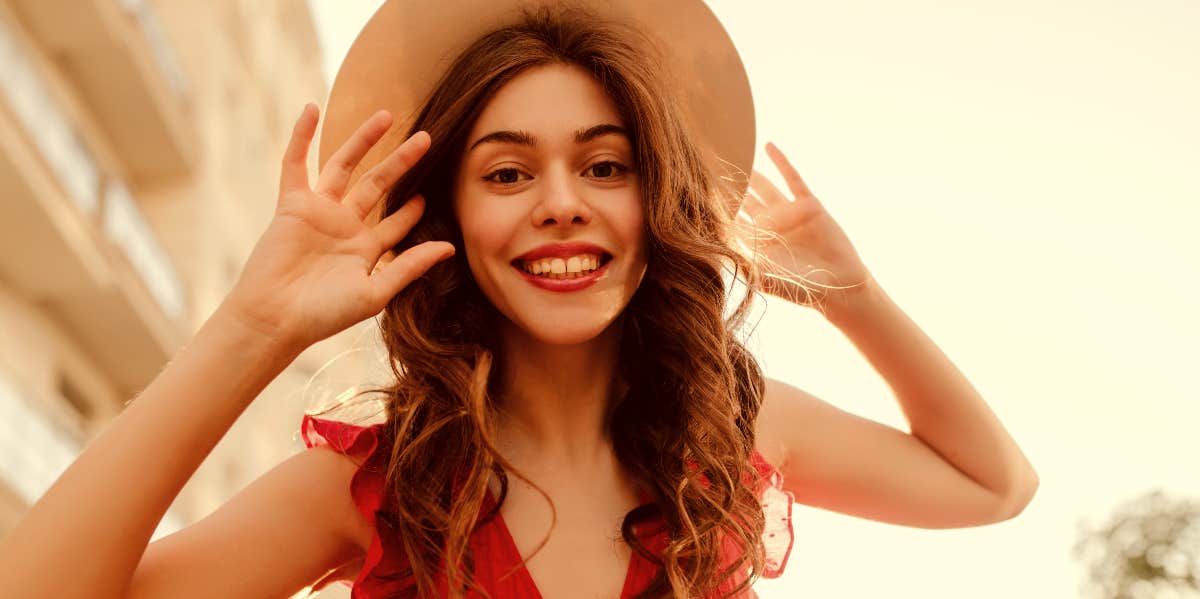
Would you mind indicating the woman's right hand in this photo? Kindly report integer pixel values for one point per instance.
(313, 272)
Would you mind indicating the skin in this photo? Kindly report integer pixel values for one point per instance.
(510, 198)
(318, 269)
(958, 467)
(560, 348)
(310, 276)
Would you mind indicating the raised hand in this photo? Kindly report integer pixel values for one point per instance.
(802, 251)
(314, 272)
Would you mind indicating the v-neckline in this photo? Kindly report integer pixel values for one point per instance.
(524, 572)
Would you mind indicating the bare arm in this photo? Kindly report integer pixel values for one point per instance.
(290, 527)
(845, 463)
(958, 467)
(99, 515)
(313, 273)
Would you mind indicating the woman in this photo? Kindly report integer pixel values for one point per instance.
(645, 446)
(583, 321)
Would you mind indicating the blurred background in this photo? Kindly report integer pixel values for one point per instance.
(1022, 177)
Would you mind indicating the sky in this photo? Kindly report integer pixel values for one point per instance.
(1021, 177)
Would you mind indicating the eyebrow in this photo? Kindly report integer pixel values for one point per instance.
(524, 138)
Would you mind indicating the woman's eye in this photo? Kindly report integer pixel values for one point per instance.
(607, 169)
(504, 176)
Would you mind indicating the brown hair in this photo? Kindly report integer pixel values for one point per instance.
(683, 423)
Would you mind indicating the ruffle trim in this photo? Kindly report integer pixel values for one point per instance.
(360, 443)
(778, 536)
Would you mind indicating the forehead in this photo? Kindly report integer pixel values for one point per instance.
(555, 100)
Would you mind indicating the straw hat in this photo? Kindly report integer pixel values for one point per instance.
(403, 50)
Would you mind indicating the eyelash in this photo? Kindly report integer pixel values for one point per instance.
(620, 168)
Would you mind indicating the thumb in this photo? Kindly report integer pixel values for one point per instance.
(389, 279)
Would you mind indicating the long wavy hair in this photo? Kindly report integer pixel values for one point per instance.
(682, 422)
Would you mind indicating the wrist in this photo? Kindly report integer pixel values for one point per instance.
(851, 303)
(254, 335)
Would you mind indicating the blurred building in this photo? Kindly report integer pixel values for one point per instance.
(140, 143)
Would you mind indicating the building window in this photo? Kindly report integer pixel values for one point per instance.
(44, 123)
(75, 398)
(34, 451)
(124, 224)
(164, 53)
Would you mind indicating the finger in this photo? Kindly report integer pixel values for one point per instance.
(405, 269)
(375, 183)
(794, 182)
(754, 202)
(294, 173)
(332, 180)
(767, 191)
(392, 229)
(752, 208)
(744, 217)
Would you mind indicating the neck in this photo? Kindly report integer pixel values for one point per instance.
(553, 398)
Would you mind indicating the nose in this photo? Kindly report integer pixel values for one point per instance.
(561, 202)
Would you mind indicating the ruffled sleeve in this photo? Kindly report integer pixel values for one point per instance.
(384, 570)
(360, 444)
(777, 511)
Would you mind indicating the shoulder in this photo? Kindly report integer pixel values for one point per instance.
(347, 465)
(776, 413)
(769, 440)
(330, 474)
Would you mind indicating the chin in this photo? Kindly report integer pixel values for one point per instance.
(563, 330)
(556, 319)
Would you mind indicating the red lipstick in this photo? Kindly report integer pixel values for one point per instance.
(571, 284)
(564, 250)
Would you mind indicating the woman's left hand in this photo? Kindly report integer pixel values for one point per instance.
(798, 240)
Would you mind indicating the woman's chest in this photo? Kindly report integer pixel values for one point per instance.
(582, 553)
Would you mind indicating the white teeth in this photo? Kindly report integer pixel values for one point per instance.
(560, 268)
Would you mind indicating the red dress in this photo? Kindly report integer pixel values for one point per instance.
(384, 571)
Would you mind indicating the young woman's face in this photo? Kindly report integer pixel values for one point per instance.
(548, 201)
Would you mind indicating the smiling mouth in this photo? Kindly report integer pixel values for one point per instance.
(569, 267)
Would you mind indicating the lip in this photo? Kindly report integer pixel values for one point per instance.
(564, 285)
(563, 250)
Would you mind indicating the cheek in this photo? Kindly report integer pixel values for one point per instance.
(630, 222)
(476, 235)
(486, 235)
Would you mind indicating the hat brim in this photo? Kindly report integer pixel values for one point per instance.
(403, 50)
